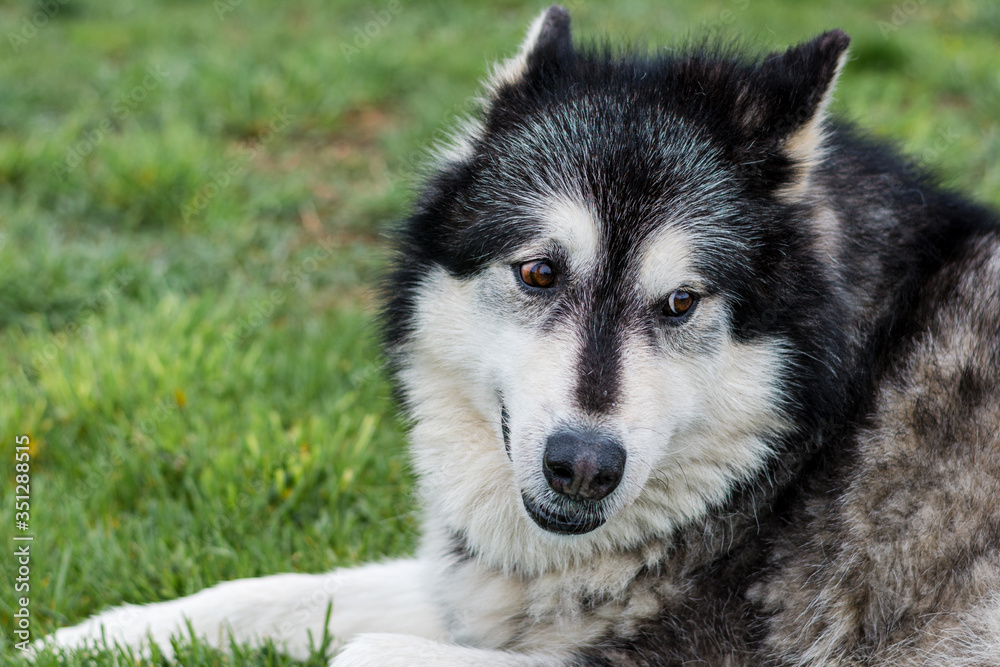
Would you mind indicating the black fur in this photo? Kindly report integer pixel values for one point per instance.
(642, 135)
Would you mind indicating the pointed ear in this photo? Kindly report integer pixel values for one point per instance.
(786, 106)
(548, 41)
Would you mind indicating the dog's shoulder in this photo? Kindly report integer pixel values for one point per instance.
(898, 543)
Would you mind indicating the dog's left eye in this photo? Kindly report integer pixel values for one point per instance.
(679, 303)
(538, 273)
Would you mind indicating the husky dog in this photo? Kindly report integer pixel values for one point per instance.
(697, 375)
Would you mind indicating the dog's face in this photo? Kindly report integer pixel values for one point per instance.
(591, 326)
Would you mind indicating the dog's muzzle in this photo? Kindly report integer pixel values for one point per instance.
(582, 467)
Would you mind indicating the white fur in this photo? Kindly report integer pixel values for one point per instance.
(456, 147)
(666, 263)
(722, 408)
(571, 224)
(388, 650)
(389, 597)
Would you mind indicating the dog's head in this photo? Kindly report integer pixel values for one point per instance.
(610, 295)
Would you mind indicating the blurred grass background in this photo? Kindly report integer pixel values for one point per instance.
(192, 196)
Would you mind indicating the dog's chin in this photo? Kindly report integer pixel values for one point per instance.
(554, 521)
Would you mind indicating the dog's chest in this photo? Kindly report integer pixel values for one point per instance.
(576, 606)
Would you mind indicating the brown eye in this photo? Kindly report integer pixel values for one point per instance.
(679, 303)
(538, 273)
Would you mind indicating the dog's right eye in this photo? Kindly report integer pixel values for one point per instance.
(538, 273)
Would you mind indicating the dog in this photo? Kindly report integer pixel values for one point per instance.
(697, 374)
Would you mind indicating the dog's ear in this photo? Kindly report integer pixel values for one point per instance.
(548, 43)
(784, 104)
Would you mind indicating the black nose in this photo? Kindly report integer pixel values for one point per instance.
(583, 465)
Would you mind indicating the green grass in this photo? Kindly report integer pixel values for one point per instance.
(191, 207)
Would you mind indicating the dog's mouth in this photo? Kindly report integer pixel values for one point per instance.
(554, 521)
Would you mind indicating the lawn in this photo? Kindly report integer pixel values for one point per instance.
(193, 203)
